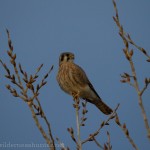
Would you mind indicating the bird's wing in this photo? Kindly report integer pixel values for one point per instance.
(80, 76)
(92, 88)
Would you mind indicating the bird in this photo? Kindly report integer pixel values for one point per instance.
(72, 79)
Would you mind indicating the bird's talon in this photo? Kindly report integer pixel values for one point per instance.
(75, 96)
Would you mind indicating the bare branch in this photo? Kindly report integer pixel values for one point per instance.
(97, 143)
(126, 37)
(29, 81)
(93, 135)
(77, 107)
(108, 143)
(126, 132)
(129, 54)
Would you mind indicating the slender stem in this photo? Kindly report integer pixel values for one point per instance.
(140, 101)
(91, 136)
(51, 146)
(78, 124)
(46, 121)
(97, 143)
(108, 143)
(126, 39)
(129, 138)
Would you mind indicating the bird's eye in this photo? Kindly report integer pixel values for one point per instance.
(62, 58)
(67, 57)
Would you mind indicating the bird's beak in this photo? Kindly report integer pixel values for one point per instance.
(72, 56)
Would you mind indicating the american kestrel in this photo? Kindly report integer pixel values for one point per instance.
(73, 80)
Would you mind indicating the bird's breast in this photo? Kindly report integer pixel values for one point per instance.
(66, 78)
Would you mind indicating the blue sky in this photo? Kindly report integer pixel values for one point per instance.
(40, 31)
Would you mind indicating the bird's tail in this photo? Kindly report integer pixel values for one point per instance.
(102, 107)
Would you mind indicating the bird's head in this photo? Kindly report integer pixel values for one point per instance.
(66, 57)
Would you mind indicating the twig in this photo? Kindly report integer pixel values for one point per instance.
(13, 57)
(71, 131)
(39, 109)
(91, 136)
(84, 112)
(108, 143)
(126, 35)
(61, 145)
(46, 121)
(126, 132)
(147, 82)
(24, 92)
(129, 53)
(138, 47)
(40, 127)
(140, 100)
(97, 143)
(77, 107)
